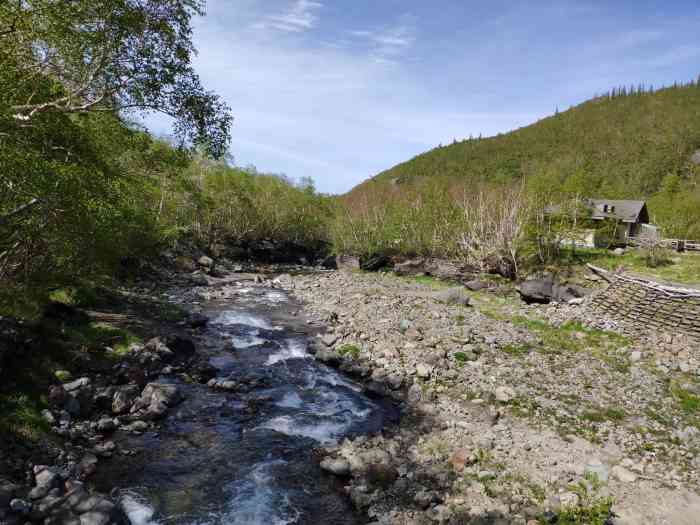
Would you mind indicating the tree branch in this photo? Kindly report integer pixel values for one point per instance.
(4, 219)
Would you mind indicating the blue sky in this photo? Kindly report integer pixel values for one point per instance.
(340, 90)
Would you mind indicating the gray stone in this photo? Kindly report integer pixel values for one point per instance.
(415, 394)
(106, 424)
(77, 384)
(205, 261)
(337, 467)
(623, 475)
(7, 492)
(329, 339)
(155, 400)
(395, 381)
(454, 296)
(504, 394)
(635, 356)
(424, 370)
(105, 449)
(404, 325)
(48, 417)
(19, 506)
(124, 398)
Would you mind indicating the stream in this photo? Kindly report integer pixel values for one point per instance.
(247, 457)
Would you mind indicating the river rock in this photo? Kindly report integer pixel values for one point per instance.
(124, 398)
(504, 394)
(454, 296)
(106, 424)
(19, 506)
(415, 394)
(155, 400)
(205, 261)
(105, 449)
(623, 475)
(77, 384)
(424, 370)
(7, 492)
(337, 467)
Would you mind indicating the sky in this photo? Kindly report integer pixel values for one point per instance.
(340, 90)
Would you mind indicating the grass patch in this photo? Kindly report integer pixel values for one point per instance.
(573, 336)
(95, 336)
(602, 415)
(517, 349)
(689, 402)
(21, 415)
(350, 350)
(681, 267)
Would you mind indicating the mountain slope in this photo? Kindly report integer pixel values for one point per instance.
(621, 145)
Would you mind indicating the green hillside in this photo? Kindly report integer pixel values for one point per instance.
(620, 145)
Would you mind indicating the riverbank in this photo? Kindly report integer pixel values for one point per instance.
(517, 412)
(513, 413)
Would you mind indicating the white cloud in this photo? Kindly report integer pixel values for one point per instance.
(389, 43)
(300, 16)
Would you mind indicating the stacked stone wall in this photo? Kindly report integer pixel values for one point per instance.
(651, 307)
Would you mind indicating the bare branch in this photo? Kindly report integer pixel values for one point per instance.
(4, 219)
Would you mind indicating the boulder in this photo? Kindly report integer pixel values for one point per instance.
(185, 264)
(454, 296)
(329, 263)
(548, 289)
(124, 398)
(337, 467)
(205, 261)
(155, 400)
(537, 290)
(475, 285)
(328, 356)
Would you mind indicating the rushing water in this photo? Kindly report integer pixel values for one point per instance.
(247, 457)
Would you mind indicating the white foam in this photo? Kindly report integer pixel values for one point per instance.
(291, 349)
(290, 400)
(325, 432)
(233, 318)
(138, 512)
(275, 297)
(256, 501)
(248, 340)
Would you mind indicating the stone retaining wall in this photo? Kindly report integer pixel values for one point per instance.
(651, 306)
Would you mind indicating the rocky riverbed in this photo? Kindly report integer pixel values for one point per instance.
(517, 412)
(511, 413)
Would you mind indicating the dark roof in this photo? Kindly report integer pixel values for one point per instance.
(626, 211)
(621, 210)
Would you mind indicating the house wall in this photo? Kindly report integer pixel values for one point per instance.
(649, 308)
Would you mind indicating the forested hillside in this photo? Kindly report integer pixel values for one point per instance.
(624, 144)
(621, 144)
(486, 197)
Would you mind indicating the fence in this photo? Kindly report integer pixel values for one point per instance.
(679, 245)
